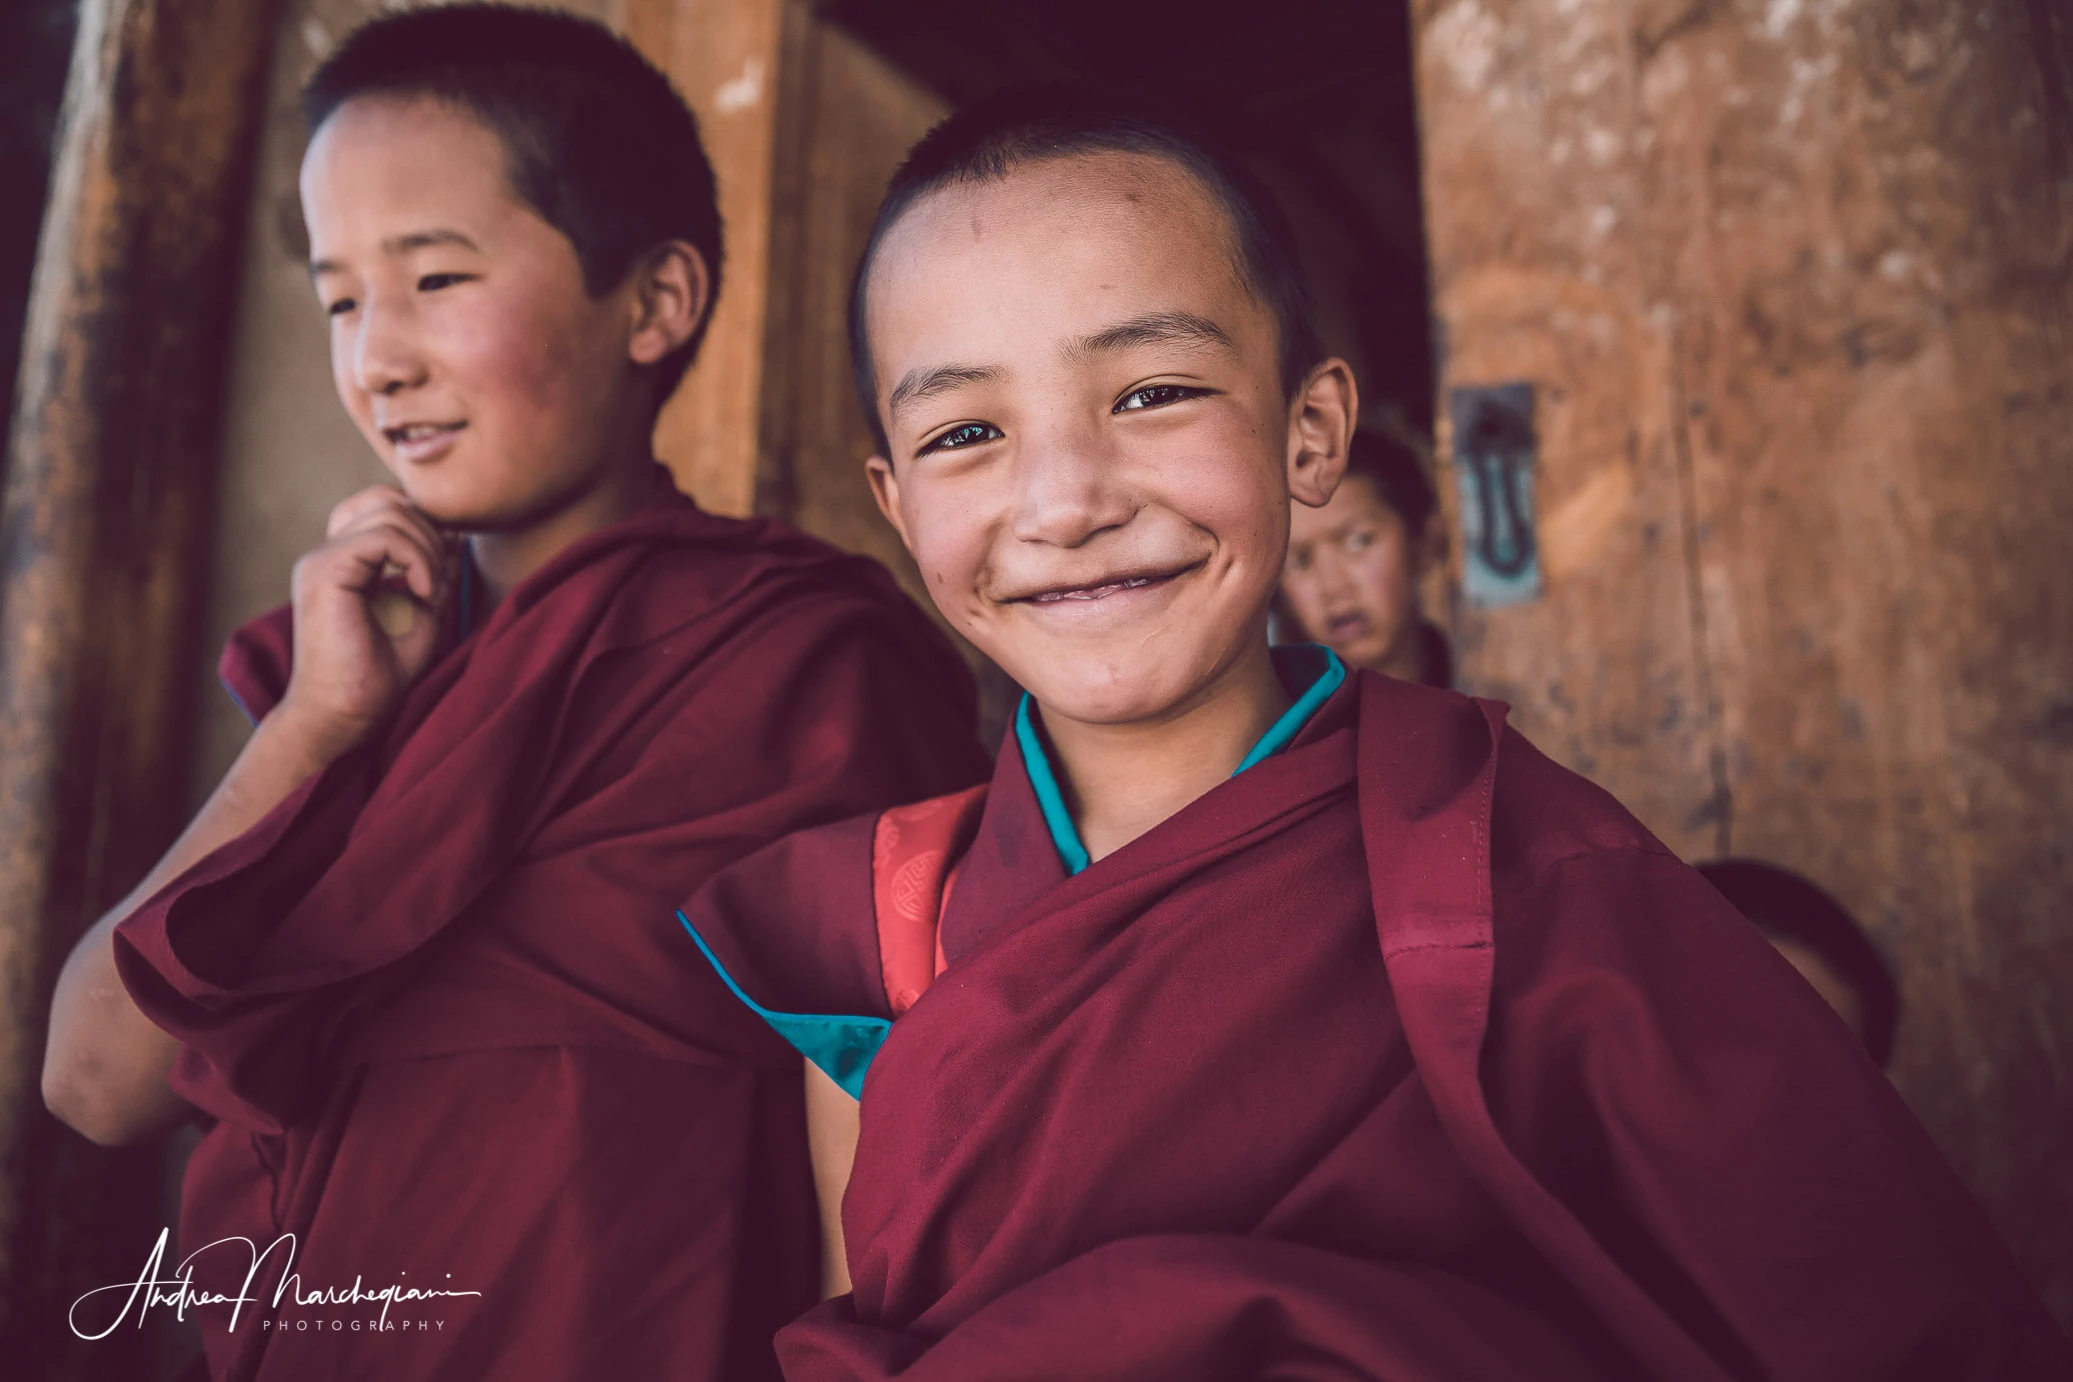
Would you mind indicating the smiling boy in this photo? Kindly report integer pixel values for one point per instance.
(410, 964)
(1259, 1019)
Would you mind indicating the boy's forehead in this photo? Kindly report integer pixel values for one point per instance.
(1355, 505)
(1146, 185)
(1358, 494)
(1067, 232)
(407, 155)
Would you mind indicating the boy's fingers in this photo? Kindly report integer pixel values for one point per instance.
(438, 540)
(384, 507)
(410, 519)
(359, 559)
(374, 499)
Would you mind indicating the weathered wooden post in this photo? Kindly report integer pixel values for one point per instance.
(804, 126)
(103, 538)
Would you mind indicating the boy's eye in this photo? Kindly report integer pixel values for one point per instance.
(1359, 542)
(340, 307)
(970, 434)
(1156, 396)
(432, 283)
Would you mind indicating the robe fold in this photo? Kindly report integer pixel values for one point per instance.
(1403, 1054)
(434, 1003)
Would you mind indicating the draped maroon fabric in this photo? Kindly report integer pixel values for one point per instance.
(1403, 1054)
(435, 1002)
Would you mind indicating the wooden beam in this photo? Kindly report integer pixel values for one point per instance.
(729, 58)
(103, 539)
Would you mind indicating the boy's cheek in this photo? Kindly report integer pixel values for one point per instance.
(947, 530)
(951, 570)
(509, 350)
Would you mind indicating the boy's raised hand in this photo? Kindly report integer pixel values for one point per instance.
(106, 1065)
(368, 612)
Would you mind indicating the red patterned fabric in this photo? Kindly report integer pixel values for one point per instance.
(913, 849)
(436, 1005)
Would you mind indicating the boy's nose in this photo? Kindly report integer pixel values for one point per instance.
(384, 360)
(1329, 571)
(1069, 487)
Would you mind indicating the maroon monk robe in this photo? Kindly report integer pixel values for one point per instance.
(1403, 1054)
(435, 1005)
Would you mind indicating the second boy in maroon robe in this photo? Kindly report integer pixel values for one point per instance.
(410, 963)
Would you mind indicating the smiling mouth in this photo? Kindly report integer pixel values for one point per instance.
(419, 432)
(1101, 590)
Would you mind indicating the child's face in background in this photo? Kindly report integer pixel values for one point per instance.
(1351, 579)
(464, 342)
(1091, 449)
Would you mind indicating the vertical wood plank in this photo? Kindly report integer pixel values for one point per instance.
(103, 539)
(726, 57)
(861, 118)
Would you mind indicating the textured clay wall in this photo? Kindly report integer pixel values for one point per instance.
(1791, 278)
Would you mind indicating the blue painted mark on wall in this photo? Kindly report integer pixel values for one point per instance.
(1494, 448)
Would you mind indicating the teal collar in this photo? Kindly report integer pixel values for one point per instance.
(1291, 663)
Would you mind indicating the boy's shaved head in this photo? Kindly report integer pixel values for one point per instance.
(990, 140)
(597, 141)
(1091, 443)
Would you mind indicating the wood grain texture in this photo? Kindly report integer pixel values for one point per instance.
(726, 57)
(103, 541)
(857, 119)
(1794, 277)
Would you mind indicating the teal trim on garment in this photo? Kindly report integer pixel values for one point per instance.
(841, 1046)
(1284, 730)
(1064, 833)
(1044, 781)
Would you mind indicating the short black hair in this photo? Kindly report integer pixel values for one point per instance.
(993, 138)
(1398, 474)
(597, 140)
(1785, 906)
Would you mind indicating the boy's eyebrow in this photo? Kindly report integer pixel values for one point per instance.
(402, 244)
(917, 384)
(1177, 328)
(1154, 328)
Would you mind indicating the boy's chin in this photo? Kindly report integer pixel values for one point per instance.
(444, 513)
(455, 508)
(1151, 694)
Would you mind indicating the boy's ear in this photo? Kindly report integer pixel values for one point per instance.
(671, 292)
(885, 488)
(1321, 419)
